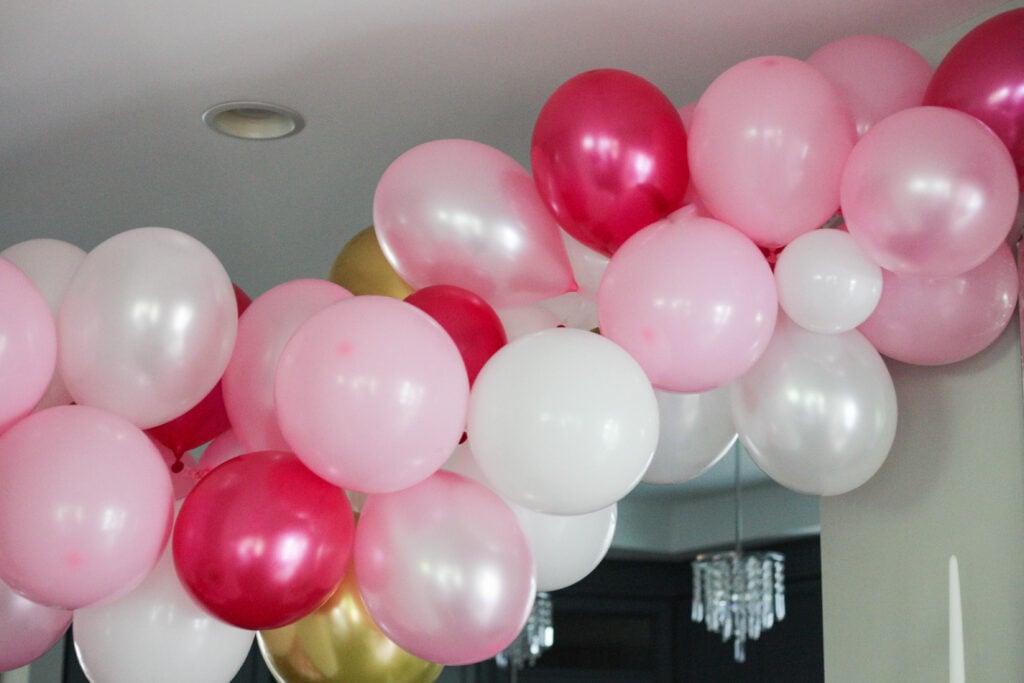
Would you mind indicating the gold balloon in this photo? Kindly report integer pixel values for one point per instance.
(361, 268)
(340, 643)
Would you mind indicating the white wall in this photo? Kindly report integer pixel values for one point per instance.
(953, 483)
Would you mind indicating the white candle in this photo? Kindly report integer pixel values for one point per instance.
(956, 625)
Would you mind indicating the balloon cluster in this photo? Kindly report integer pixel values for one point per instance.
(746, 260)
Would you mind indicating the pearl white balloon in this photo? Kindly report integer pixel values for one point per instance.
(696, 431)
(157, 633)
(147, 326)
(817, 412)
(523, 320)
(826, 282)
(563, 421)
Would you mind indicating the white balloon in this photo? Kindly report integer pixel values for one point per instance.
(523, 320)
(587, 265)
(147, 326)
(826, 282)
(566, 548)
(574, 309)
(696, 431)
(50, 264)
(563, 421)
(157, 633)
(817, 412)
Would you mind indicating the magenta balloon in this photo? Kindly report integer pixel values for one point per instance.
(85, 506)
(457, 212)
(444, 569)
(929, 191)
(983, 75)
(937, 320)
(692, 300)
(877, 76)
(27, 630)
(261, 541)
(371, 394)
(768, 142)
(28, 344)
(609, 156)
(147, 325)
(263, 330)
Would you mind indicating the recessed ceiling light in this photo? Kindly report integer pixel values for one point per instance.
(253, 120)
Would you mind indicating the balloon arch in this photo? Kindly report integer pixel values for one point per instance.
(494, 364)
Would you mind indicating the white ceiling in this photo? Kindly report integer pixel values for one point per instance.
(100, 102)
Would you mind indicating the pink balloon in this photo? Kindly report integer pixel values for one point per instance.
(85, 506)
(225, 447)
(877, 76)
(444, 569)
(983, 75)
(28, 344)
(263, 330)
(50, 264)
(27, 630)
(929, 191)
(692, 300)
(937, 320)
(147, 325)
(768, 142)
(457, 212)
(182, 469)
(609, 156)
(371, 394)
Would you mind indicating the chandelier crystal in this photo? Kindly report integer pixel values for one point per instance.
(537, 636)
(739, 595)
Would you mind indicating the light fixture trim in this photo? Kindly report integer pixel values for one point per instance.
(253, 120)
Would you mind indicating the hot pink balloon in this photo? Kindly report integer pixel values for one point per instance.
(263, 330)
(444, 569)
(929, 191)
(27, 630)
(937, 320)
(28, 344)
(609, 156)
(147, 325)
(85, 506)
(877, 76)
(457, 212)
(693, 301)
(983, 75)
(768, 142)
(371, 394)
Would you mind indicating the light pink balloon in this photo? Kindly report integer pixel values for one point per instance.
(929, 191)
(28, 344)
(50, 264)
(767, 145)
(938, 320)
(692, 300)
(371, 394)
(147, 325)
(27, 630)
(457, 212)
(263, 330)
(877, 76)
(85, 506)
(444, 569)
(223, 448)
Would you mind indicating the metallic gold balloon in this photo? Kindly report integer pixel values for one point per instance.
(340, 643)
(361, 268)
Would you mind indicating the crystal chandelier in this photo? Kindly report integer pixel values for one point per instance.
(537, 636)
(738, 594)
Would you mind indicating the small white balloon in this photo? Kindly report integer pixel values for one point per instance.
(158, 633)
(523, 320)
(587, 265)
(696, 431)
(563, 421)
(817, 412)
(826, 282)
